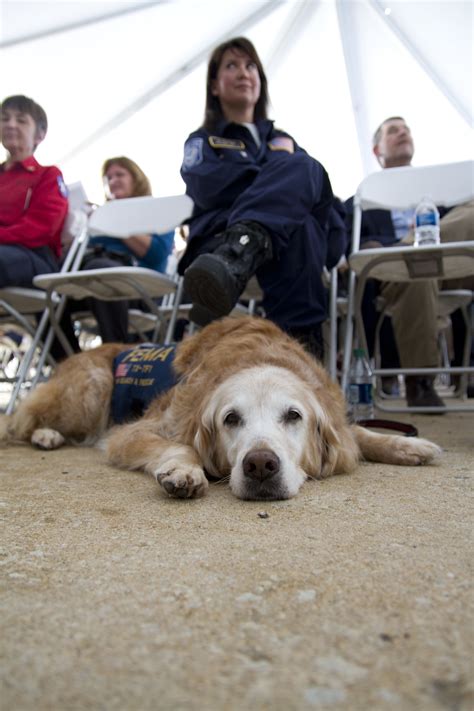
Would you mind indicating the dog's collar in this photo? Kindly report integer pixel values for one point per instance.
(406, 429)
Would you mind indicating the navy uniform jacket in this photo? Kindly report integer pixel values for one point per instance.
(279, 186)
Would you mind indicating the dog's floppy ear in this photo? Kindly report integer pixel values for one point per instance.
(339, 450)
(205, 440)
(333, 449)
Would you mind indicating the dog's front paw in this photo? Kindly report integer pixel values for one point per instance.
(183, 482)
(47, 439)
(414, 451)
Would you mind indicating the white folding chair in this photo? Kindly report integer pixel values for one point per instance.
(122, 219)
(336, 323)
(23, 305)
(402, 188)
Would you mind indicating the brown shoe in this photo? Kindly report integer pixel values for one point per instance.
(420, 392)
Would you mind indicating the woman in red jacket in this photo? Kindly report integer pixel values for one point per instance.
(33, 198)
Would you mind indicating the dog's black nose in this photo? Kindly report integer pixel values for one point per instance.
(261, 464)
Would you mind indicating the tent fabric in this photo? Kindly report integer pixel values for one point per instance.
(128, 78)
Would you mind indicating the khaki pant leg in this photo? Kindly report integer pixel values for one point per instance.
(458, 226)
(413, 309)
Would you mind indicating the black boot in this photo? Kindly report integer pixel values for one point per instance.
(420, 392)
(215, 281)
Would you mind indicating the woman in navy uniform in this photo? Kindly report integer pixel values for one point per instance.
(262, 205)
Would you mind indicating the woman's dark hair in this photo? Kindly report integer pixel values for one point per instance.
(213, 112)
(27, 106)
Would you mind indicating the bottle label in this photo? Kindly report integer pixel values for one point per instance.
(360, 394)
(426, 219)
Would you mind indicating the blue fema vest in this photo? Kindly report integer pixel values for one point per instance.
(141, 374)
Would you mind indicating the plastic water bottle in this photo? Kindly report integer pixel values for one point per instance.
(359, 389)
(426, 223)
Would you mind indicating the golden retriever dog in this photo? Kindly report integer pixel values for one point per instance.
(251, 406)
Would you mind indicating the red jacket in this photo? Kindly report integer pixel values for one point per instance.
(33, 205)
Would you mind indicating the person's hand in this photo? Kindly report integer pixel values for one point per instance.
(138, 244)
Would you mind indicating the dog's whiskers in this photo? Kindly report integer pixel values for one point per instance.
(224, 480)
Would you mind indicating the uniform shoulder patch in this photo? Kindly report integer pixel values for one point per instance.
(282, 143)
(62, 186)
(192, 153)
(222, 142)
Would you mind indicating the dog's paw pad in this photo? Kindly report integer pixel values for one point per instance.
(183, 484)
(414, 452)
(181, 492)
(47, 439)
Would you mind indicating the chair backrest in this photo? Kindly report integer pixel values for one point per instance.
(447, 184)
(131, 216)
(77, 197)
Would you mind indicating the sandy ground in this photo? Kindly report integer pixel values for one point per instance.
(357, 594)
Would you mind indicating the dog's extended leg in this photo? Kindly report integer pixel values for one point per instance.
(394, 449)
(63, 409)
(35, 420)
(71, 407)
(176, 467)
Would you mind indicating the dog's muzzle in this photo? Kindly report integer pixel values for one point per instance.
(260, 464)
(262, 476)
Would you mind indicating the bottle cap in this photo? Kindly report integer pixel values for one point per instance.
(359, 352)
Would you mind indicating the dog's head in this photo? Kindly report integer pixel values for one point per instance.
(267, 430)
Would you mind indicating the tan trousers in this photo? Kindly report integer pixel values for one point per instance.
(413, 310)
(414, 305)
(458, 226)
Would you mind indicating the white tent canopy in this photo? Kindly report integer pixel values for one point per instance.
(128, 78)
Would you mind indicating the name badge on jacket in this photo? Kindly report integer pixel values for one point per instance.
(221, 142)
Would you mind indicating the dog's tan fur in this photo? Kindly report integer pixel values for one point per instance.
(181, 434)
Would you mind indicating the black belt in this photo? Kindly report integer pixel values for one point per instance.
(98, 251)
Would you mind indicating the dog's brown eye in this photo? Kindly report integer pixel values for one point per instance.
(232, 419)
(292, 415)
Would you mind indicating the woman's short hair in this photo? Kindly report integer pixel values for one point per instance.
(213, 112)
(27, 106)
(141, 184)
